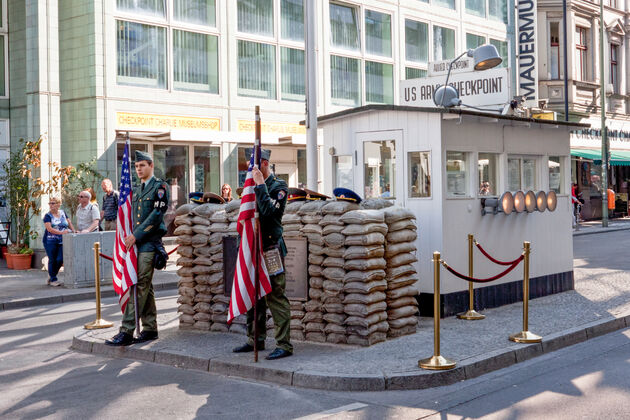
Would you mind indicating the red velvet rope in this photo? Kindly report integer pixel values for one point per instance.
(494, 260)
(107, 257)
(474, 280)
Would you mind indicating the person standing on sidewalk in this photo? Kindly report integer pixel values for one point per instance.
(57, 224)
(271, 198)
(109, 212)
(150, 201)
(87, 213)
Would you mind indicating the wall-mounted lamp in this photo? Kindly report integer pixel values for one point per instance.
(505, 204)
(541, 201)
(530, 201)
(519, 201)
(552, 200)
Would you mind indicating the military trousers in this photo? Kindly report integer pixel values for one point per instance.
(280, 311)
(147, 311)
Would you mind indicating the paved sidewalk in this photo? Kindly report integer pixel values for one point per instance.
(600, 304)
(595, 226)
(25, 288)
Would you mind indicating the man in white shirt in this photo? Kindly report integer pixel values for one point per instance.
(88, 215)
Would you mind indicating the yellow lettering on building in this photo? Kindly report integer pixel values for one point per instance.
(165, 122)
(272, 127)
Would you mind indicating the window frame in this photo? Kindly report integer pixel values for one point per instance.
(416, 64)
(467, 172)
(537, 168)
(408, 195)
(497, 179)
(561, 161)
(614, 67)
(551, 46)
(432, 46)
(582, 53)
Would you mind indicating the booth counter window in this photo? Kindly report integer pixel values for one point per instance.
(521, 173)
(379, 164)
(207, 169)
(343, 172)
(487, 165)
(419, 174)
(457, 174)
(555, 174)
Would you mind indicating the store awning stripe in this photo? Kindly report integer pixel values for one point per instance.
(617, 157)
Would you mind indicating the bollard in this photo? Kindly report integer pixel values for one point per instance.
(471, 315)
(99, 322)
(525, 336)
(436, 362)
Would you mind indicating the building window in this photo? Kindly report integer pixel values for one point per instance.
(344, 175)
(581, 59)
(378, 33)
(146, 7)
(554, 50)
(488, 169)
(207, 169)
(198, 12)
(443, 43)
(301, 168)
(456, 174)
(141, 55)
(612, 3)
(3, 65)
(419, 174)
(497, 10)
(171, 165)
(614, 76)
(521, 174)
(293, 85)
(120, 150)
(345, 77)
(476, 7)
(416, 41)
(555, 174)
(502, 49)
(195, 62)
(379, 83)
(450, 4)
(255, 17)
(256, 70)
(413, 73)
(473, 41)
(344, 27)
(379, 165)
(292, 20)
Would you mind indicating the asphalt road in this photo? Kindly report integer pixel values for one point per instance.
(41, 378)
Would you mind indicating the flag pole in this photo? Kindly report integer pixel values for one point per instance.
(135, 286)
(257, 150)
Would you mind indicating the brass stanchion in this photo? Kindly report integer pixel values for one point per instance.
(436, 362)
(471, 315)
(525, 336)
(99, 322)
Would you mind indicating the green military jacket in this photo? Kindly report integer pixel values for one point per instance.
(148, 207)
(271, 198)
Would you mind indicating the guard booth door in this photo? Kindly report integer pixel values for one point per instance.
(287, 172)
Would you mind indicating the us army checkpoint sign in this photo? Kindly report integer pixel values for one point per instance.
(477, 88)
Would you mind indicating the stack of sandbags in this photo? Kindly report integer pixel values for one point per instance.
(400, 253)
(297, 315)
(186, 281)
(363, 282)
(291, 220)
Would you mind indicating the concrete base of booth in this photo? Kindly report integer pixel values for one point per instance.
(497, 295)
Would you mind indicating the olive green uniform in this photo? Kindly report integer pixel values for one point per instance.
(149, 205)
(271, 198)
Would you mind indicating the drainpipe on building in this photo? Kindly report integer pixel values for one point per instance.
(514, 47)
(602, 97)
(566, 60)
(311, 97)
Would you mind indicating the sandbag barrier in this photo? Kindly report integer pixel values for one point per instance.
(437, 361)
(107, 257)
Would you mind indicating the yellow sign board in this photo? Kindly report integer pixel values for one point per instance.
(272, 127)
(544, 116)
(165, 122)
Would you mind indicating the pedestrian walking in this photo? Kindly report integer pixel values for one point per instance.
(271, 198)
(109, 211)
(57, 224)
(88, 215)
(150, 201)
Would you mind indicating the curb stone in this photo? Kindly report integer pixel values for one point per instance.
(419, 379)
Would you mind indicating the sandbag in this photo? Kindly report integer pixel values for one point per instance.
(382, 327)
(221, 299)
(370, 340)
(202, 278)
(216, 238)
(355, 229)
(356, 309)
(402, 281)
(336, 308)
(311, 218)
(200, 229)
(392, 273)
(185, 251)
(364, 299)
(203, 260)
(365, 265)
(402, 312)
(333, 262)
(202, 316)
(241, 329)
(185, 209)
(291, 227)
(291, 218)
(183, 230)
(219, 216)
(313, 306)
(316, 337)
(372, 251)
(316, 282)
(363, 276)
(188, 300)
(201, 269)
(338, 207)
(315, 293)
(202, 325)
(313, 317)
(400, 302)
(217, 257)
(297, 315)
(334, 329)
(199, 239)
(328, 229)
(402, 225)
(185, 272)
(335, 252)
(311, 207)
(331, 219)
(293, 207)
(402, 322)
(203, 288)
(315, 259)
(182, 282)
(219, 308)
(365, 322)
(206, 210)
(184, 262)
(402, 291)
(203, 251)
(399, 332)
(332, 287)
(396, 213)
(401, 259)
(219, 227)
(407, 235)
(186, 319)
(376, 203)
(314, 327)
(365, 287)
(374, 238)
(362, 217)
(336, 338)
(333, 273)
(311, 228)
(399, 248)
(315, 238)
(184, 219)
(186, 309)
(203, 298)
(218, 327)
(198, 220)
(335, 318)
(315, 270)
(183, 240)
(315, 249)
(233, 206)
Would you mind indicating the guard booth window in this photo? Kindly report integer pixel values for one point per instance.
(419, 174)
(488, 168)
(521, 174)
(555, 174)
(379, 165)
(343, 172)
(456, 174)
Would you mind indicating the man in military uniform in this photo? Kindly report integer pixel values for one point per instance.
(271, 198)
(150, 201)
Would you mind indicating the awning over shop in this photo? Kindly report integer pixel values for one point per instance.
(617, 157)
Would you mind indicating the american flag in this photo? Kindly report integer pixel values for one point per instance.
(125, 262)
(243, 289)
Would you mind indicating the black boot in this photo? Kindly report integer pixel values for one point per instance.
(146, 336)
(246, 348)
(120, 339)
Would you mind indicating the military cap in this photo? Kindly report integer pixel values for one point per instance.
(211, 197)
(265, 154)
(296, 194)
(196, 197)
(346, 195)
(314, 195)
(140, 156)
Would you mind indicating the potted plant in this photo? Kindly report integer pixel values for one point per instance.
(22, 186)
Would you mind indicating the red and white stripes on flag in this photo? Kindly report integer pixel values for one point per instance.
(125, 272)
(243, 289)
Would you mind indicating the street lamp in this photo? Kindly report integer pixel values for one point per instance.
(485, 57)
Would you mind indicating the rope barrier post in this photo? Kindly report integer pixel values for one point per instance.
(99, 322)
(525, 336)
(436, 362)
(471, 315)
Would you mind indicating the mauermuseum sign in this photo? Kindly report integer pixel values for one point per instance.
(526, 52)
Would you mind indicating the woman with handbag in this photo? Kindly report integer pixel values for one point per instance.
(57, 224)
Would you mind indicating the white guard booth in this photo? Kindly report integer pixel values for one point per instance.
(441, 163)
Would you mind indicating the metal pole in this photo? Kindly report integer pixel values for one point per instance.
(566, 60)
(99, 322)
(525, 336)
(256, 235)
(311, 97)
(471, 315)
(436, 362)
(602, 97)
